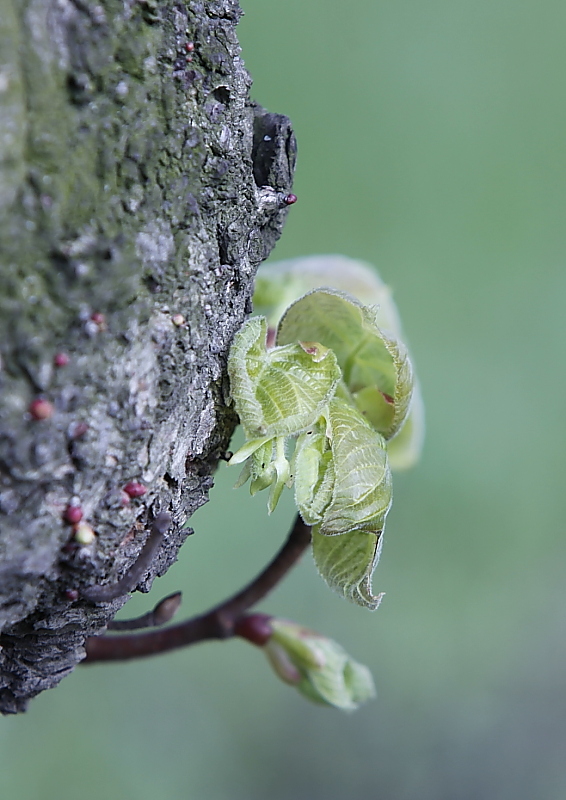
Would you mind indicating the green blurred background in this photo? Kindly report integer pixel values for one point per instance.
(431, 144)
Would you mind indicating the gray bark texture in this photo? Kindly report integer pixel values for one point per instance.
(139, 190)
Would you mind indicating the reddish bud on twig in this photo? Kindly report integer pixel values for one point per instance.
(219, 623)
(255, 628)
(290, 199)
(71, 594)
(40, 409)
(97, 317)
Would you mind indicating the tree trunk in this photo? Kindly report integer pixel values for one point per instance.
(135, 206)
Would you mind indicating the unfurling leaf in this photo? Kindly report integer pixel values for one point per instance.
(361, 495)
(405, 449)
(267, 465)
(281, 283)
(347, 535)
(339, 382)
(347, 563)
(313, 470)
(375, 366)
(318, 667)
(282, 391)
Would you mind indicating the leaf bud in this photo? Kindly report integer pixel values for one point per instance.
(318, 667)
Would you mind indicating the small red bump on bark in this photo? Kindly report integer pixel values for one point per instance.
(134, 489)
(40, 409)
(97, 317)
(61, 359)
(78, 429)
(290, 199)
(255, 628)
(190, 47)
(71, 594)
(73, 514)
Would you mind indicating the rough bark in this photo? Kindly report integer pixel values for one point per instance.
(130, 187)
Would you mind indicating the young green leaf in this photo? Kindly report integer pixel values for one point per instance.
(347, 564)
(266, 464)
(313, 471)
(281, 283)
(375, 366)
(405, 449)
(347, 539)
(282, 391)
(361, 495)
(341, 381)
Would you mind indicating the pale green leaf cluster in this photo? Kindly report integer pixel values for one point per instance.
(282, 391)
(376, 370)
(277, 393)
(318, 667)
(279, 284)
(338, 385)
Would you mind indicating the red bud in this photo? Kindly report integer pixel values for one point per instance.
(134, 489)
(256, 628)
(73, 514)
(40, 409)
(61, 359)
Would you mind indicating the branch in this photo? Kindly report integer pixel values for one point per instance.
(163, 612)
(128, 582)
(218, 623)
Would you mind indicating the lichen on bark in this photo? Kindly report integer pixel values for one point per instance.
(135, 207)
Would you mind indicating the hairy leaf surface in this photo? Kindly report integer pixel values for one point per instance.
(282, 391)
(281, 283)
(375, 366)
(313, 470)
(361, 495)
(347, 563)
